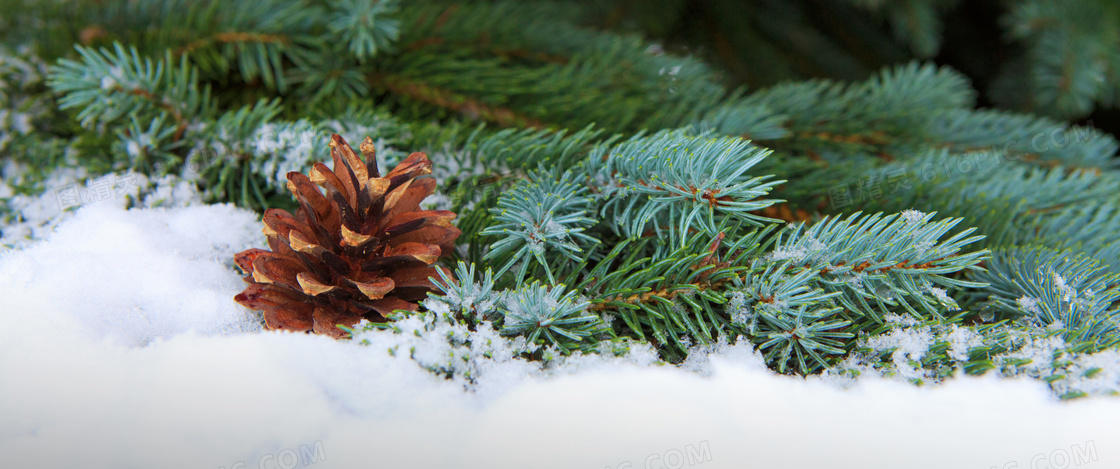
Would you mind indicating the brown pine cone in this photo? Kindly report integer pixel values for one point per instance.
(360, 250)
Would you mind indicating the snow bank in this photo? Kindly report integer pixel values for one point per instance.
(120, 346)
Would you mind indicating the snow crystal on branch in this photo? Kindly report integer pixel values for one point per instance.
(1029, 305)
(285, 147)
(66, 189)
(913, 216)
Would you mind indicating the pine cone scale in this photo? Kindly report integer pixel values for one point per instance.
(375, 290)
(369, 151)
(277, 270)
(426, 253)
(356, 169)
(280, 309)
(436, 217)
(376, 188)
(347, 181)
(413, 277)
(312, 285)
(388, 305)
(244, 259)
(325, 178)
(389, 263)
(441, 236)
(325, 318)
(417, 164)
(309, 197)
(410, 198)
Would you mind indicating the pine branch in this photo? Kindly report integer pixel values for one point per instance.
(108, 85)
(671, 182)
(880, 263)
(540, 215)
(1055, 289)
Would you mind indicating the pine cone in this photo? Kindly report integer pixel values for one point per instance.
(361, 250)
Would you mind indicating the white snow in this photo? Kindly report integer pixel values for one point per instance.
(133, 276)
(1029, 305)
(285, 147)
(961, 340)
(913, 216)
(67, 188)
(120, 346)
(804, 249)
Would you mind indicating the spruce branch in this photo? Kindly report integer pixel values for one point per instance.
(542, 214)
(549, 315)
(256, 38)
(1056, 289)
(801, 335)
(1085, 228)
(676, 296)
(366, 26)
(472, 300)
(673, 183)
(879, 263)
(109, 84)
(1025, 138)
(767, 287)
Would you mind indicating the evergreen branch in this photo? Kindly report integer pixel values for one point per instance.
(583, 70)
(879, 262)
(471, 300)
(364, 25)
(984, 175)
(673, 182)
(329, 73)
(549, 315)
(804, 333)
(1086, 228)
(1024, 137)
(896, 100)
(230, 38)
(771, 290)
(515, 149)
(540, 214)
(1069, 44)
(746, 118)
(677, 294)
(108, 85)
(1056, 289)
(257, 38)
(917, 23)
(150, 148)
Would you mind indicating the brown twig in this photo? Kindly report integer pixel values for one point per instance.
(232, 37)
(452, 101)
(176, 114)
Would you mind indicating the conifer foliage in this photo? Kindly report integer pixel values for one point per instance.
(584, 189)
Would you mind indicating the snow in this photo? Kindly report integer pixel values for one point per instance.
(913, 216)
(67, 188)
(286, 147)
(1029, 305)
(120, 346)
(804, 249)
(961, 340)
(134, 276)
